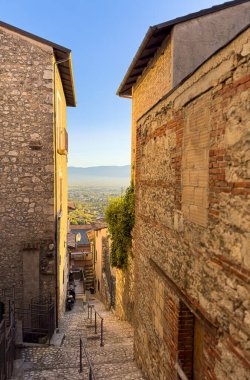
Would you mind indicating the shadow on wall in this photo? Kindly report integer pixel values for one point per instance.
(125, 292)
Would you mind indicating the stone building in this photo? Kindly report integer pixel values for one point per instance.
(36, 86)
(189, 84)
(81, 258)
(105, 275)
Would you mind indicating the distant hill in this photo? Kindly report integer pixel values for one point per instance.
(99, 175)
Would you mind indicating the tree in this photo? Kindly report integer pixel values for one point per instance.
(80, 217)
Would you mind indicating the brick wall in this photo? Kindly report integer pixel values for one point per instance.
(186, 340)
(26, 158)
(155, 81)
(192, 195)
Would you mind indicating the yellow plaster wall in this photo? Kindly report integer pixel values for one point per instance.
(99, 234)
(61, 196)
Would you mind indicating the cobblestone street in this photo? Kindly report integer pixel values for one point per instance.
(112, 361)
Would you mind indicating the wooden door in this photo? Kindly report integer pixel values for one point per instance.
(198, 350)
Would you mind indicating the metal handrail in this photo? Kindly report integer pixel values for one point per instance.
(91, 369)
(91, 307)
(7, 345)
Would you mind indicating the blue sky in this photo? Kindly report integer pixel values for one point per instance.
(104, 36)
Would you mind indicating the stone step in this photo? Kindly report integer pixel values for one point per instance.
(117, 370)
(87, 269)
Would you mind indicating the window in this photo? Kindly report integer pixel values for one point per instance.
(62, 135)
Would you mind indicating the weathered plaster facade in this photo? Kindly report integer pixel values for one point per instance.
(192, 226)
(33, 185)
(209, 32)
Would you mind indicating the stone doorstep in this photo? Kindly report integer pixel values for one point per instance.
(134, 376)
(90, 326)
(80, 296)
(93, 337)
(120, 367)
(27, 345)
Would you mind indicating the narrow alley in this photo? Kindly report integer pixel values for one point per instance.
(114, 360)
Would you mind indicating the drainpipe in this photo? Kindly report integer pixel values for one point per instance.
(58, 216)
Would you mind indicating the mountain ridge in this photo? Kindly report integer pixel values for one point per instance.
(113, 175)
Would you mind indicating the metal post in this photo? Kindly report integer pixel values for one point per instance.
(13, 302)
(49, 326)
(90, 373)
(95, 324)
(9, 311)
(80, 355)
(4, 348)
(102, 333)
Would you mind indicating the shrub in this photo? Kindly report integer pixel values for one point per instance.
(120, 215)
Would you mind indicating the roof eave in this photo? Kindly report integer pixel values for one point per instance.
(57, 49)
(149, 33)
(34, 37)
(72, 103)
(165, 28)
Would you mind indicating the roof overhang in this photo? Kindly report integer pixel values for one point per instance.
(153, 41)
(61, 54)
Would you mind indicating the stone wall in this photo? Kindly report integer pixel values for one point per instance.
(192, 226)
(108, 279)
(26, 159)
(125, 288)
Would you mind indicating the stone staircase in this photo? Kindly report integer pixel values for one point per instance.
(113, 361)
(89, 275)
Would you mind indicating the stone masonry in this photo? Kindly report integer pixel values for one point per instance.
(191, 235)
(26, 161)
(125, 291)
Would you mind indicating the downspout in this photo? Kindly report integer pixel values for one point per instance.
(57, 215)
